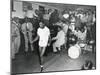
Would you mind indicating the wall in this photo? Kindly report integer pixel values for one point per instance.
(18, 7)
(18, 10)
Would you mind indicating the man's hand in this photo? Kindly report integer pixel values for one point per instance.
(48, 44)
(32, 42)
(34, 39)
(53, 39)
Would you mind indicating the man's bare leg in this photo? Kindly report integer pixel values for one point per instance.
(41, 51)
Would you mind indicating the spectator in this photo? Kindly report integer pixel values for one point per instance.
(15, 37)
(27, 29)
(54, 17)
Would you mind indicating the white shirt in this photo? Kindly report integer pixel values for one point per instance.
(43, 36)
(60, 38)
(66, 16)
(80, 35)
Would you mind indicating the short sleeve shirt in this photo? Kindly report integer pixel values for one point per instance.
(43, 36)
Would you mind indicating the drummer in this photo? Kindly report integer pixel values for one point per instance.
(81, 33)
(60, 40)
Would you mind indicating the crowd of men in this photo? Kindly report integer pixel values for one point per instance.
(51, 28)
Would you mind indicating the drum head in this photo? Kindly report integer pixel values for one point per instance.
(74, 52)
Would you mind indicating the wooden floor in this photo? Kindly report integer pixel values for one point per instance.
(53, 62)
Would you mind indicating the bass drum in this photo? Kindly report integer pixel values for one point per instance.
(74, 51)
